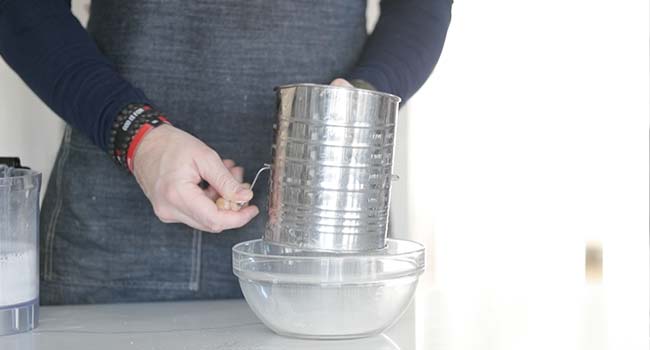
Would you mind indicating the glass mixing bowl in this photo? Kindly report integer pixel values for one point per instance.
(311, 294)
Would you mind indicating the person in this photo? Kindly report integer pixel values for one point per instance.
(180, 94)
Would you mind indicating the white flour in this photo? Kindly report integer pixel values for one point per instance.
(18, 276)
(329, 311)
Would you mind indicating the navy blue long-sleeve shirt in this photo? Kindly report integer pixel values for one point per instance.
(49, 49)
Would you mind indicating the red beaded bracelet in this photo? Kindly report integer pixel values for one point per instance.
(144, 129)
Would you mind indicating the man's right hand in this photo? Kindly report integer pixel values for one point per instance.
(170, 163)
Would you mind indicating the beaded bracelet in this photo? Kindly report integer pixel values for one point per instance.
(128, 129)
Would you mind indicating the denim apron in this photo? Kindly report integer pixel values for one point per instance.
(210, 66)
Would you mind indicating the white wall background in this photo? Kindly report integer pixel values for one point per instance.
(530, 139)
(28, 128)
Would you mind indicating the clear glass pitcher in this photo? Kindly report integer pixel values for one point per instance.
(19, 210)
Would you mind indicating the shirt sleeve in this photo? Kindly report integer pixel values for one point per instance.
(54, 55)
(407, 41)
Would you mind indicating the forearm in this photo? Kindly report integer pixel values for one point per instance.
(407, 41)
(49, 49)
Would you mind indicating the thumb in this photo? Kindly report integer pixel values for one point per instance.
(219, 177)
(341, 82)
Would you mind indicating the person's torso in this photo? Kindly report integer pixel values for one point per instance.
(211, 67)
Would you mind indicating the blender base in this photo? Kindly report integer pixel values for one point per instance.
(18, 318)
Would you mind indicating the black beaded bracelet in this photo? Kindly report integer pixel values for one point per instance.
(128, 128)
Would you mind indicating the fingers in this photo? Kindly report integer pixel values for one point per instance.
(225, 204)
(215, 172)
(211, 193)
(228, 163)
(170, 215)
(204, 211)
(236, 219)
(341, 82)
(238, 173)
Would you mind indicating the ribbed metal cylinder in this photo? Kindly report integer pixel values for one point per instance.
(332, 168)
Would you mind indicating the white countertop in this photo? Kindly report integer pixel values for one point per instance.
(224, 324)
(463, 319)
